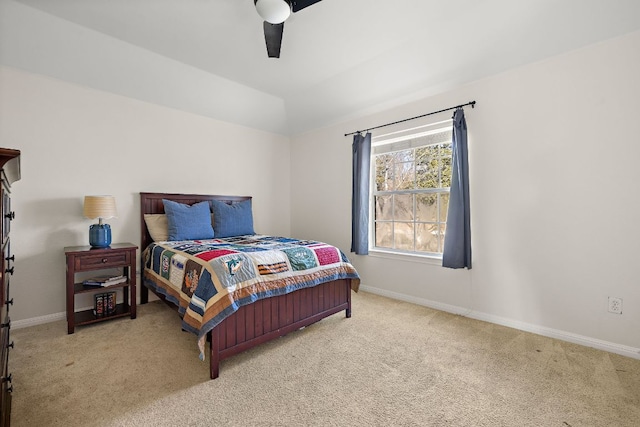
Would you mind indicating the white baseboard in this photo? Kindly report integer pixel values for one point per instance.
(25, 323)
(527, 327)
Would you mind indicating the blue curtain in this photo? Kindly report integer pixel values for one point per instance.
(360, 194)
(457, 242)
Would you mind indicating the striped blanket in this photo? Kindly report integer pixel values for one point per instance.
(210, 279)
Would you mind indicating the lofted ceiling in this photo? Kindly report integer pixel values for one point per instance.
(342, 59)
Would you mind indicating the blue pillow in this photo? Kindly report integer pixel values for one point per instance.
(232, 220)
(188, 222)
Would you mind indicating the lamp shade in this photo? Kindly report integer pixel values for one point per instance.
(273, 11)
(100, 207)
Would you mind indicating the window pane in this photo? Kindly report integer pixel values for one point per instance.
(403, 237)
(405, 176)
(404, 170)
(404, 156)
(384, 172)
(427, 207)
(428, 238)
(384, 209)
(443, 227)
(445, 166)
(425, 153)
(444, 206)
(427, 167)
(403, 207)
(384, 234)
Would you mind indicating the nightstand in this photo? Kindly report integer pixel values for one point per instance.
(82, 259)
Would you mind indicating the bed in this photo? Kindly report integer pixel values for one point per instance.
(235, 291)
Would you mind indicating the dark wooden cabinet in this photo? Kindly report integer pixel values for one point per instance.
(10, 164)
(82, 259)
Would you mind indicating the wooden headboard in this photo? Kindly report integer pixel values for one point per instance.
(151, 203)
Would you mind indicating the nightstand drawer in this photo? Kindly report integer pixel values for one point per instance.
(89, 262)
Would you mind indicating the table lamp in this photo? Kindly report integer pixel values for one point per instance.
(101, 207)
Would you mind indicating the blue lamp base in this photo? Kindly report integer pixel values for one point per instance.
(100, 235)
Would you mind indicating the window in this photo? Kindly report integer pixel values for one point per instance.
(410, 197)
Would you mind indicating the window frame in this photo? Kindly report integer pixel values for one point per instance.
(396, 137)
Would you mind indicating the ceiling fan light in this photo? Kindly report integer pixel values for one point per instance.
(273, 11)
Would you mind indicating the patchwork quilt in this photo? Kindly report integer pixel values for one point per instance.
(210, 279)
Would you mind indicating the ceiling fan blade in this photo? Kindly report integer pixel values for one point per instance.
(273, 37)
(297, 5)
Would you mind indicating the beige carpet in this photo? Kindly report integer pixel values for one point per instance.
(391, 364)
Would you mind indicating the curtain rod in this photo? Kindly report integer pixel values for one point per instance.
(472, 103)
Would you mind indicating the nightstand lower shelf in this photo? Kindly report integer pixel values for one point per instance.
(87, 317)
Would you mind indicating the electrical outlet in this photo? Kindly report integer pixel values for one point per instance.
(615, 305)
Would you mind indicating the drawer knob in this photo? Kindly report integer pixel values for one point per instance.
(10, 345)
(10, 302)
(11, 215)
(11, 258)
(10, 389)
(104, 260)
(6, 325)
(7, 379)
(9, 270)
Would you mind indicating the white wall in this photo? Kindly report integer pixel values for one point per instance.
(77, 141)
(554, 197)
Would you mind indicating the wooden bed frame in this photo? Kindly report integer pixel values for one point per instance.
(263, 320)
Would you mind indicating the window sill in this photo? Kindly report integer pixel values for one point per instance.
(422, 259)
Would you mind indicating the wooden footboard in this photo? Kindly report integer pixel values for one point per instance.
(274, 317)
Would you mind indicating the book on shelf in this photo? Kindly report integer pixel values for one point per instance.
(98, 307)
(104, 304)
(104, 281)
(110, 307)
